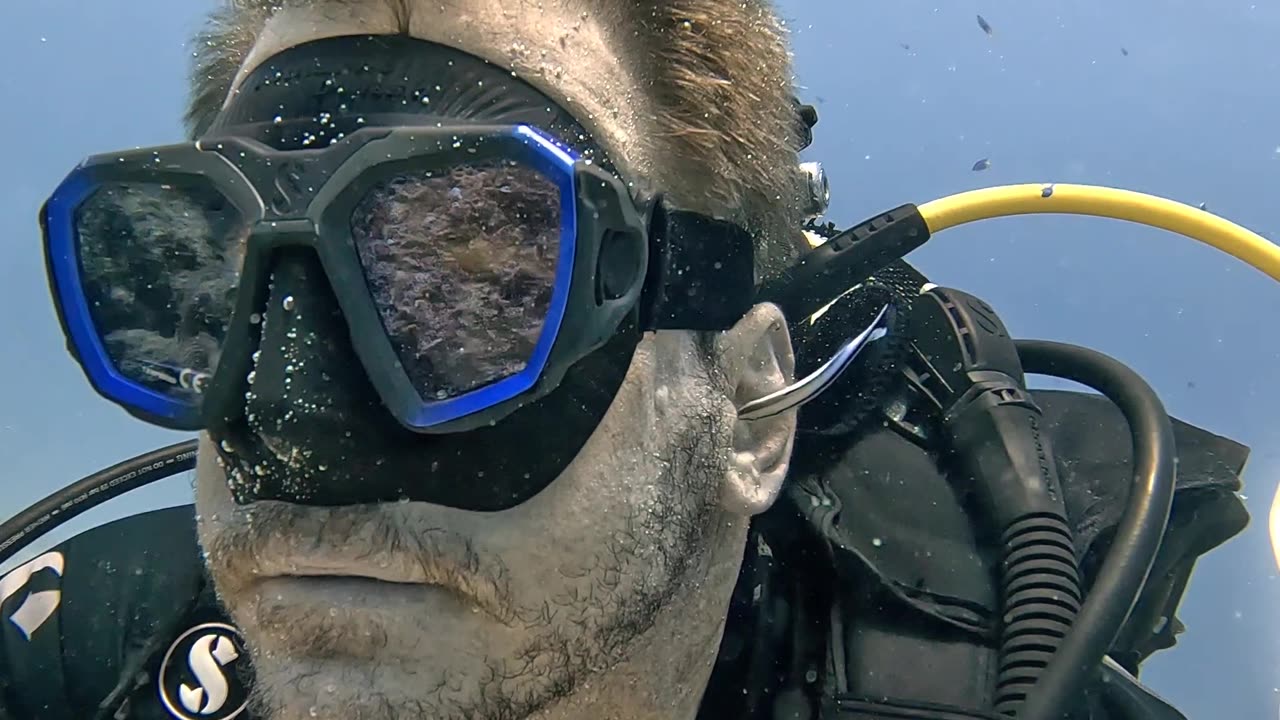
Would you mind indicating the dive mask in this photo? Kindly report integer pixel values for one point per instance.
(159, 264)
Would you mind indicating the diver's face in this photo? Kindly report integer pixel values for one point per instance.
(411, 609)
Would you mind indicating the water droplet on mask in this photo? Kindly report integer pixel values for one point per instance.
(226, 446)
(877, 542)
(255, 318)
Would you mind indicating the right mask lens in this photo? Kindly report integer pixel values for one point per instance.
(160, 264)
(461, 263)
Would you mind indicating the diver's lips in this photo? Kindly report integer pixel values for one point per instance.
(400, 573)
(396, 544)
(356, 594)
(397, 576)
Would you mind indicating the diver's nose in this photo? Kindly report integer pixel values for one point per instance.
(312, 420)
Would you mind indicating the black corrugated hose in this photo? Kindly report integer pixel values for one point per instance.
(1141, 529)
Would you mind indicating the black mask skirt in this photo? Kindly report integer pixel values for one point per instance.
(308, 426)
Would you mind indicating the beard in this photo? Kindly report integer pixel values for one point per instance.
(316, 663)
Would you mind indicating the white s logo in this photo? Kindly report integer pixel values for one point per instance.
(37, 607)
(197, 680)
(206, 665)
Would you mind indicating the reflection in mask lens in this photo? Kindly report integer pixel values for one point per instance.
(462, 265)
(160, 265)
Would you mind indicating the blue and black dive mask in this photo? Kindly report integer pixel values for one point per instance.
(374, 227)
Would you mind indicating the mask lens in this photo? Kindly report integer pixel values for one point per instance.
(461, 263)
(160, 262)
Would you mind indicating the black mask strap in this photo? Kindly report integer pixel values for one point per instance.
(702, 274)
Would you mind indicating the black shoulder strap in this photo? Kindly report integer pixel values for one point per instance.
(80, 619)
(915, 570)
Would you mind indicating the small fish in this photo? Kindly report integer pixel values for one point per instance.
(986, 27)
(981, 165)
(1124, 52)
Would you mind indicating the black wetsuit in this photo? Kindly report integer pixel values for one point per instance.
(122, 622)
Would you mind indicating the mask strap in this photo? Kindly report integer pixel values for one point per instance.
(703, 275)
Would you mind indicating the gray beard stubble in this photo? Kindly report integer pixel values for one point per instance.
(659, 553)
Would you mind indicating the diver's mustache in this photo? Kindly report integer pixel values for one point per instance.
(269, 539)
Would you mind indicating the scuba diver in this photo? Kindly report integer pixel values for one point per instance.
(530, 386)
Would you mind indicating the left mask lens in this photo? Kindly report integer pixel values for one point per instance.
(461, 263)
(159, 263)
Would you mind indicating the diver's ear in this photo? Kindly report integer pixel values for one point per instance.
(757, 359)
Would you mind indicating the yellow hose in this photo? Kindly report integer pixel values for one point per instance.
(1006, 200)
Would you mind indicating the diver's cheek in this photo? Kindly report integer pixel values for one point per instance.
(215, 522)
(563, 533)
(211, 492)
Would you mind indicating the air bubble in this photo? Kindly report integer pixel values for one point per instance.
(288, 303)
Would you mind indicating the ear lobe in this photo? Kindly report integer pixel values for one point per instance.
(757, 359)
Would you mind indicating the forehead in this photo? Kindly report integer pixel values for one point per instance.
(565, 48)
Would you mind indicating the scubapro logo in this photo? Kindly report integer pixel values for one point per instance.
(36, 607)
(198, 677)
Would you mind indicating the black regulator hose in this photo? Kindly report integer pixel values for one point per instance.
(1053, 637)
(27, 526)
(1138, 537)
(969, 366)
